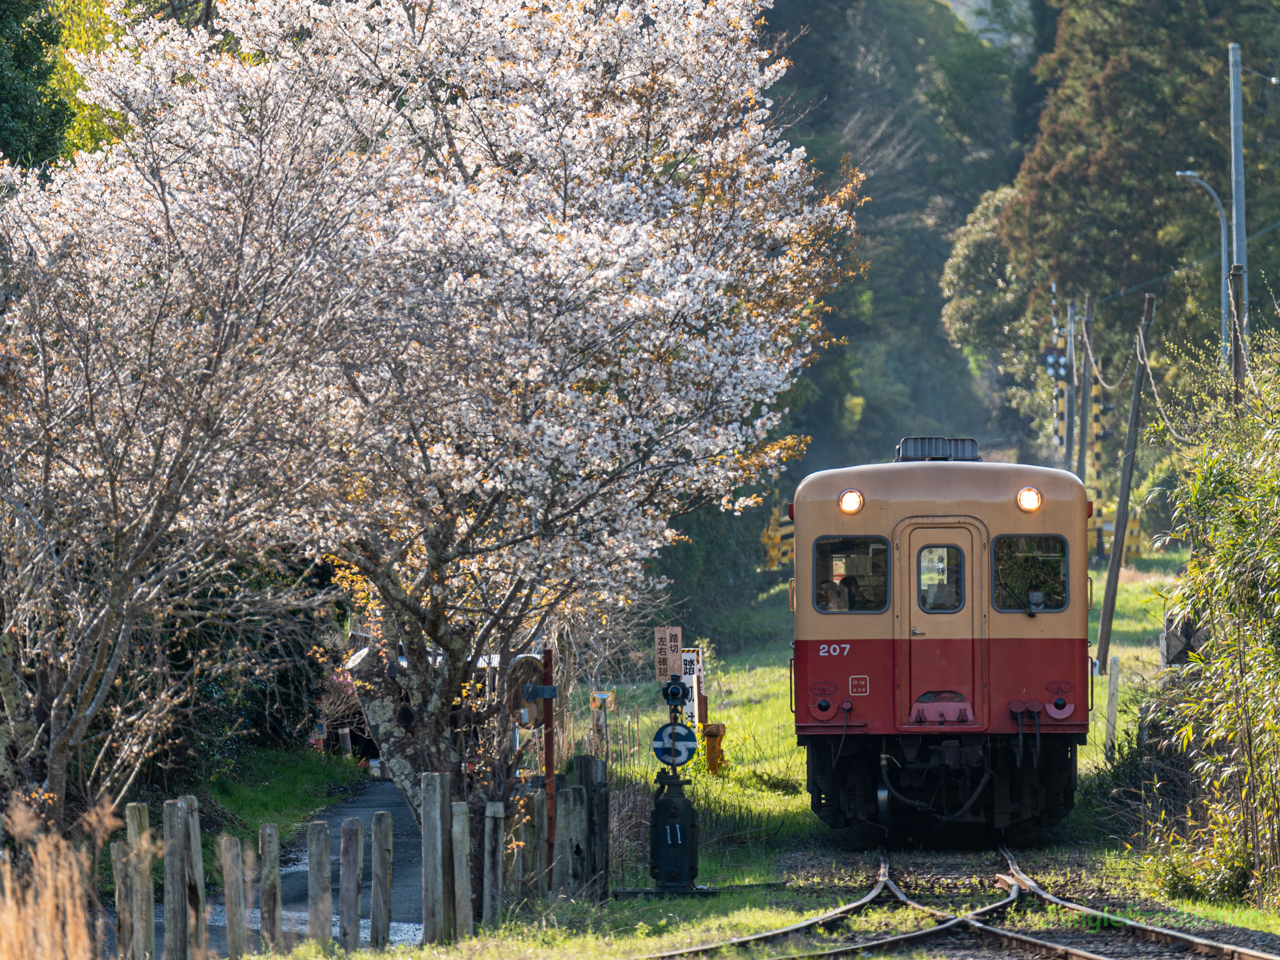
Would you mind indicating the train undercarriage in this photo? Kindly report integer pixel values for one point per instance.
(913, 779)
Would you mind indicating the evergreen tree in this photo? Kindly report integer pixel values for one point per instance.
(33, 116)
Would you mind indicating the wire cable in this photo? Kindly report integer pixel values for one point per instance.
(1144, 359)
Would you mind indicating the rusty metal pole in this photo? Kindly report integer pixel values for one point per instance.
(1122, 502)
(549, 749)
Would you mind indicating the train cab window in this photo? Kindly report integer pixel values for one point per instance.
(851, 574)
(940, 573)
(1029, 573)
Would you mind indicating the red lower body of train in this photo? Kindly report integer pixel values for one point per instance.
(999, 751)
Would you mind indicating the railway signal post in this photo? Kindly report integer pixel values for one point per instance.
(673, 825)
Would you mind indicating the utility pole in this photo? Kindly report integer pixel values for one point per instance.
(1122, 503)
(1071, 383)
(1239, 243)
(1086, 383)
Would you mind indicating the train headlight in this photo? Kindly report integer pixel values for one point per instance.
(1029, 499)
(850, 501)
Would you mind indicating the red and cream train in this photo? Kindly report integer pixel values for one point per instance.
(941, 667)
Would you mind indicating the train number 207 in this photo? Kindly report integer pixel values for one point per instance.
(833, 649)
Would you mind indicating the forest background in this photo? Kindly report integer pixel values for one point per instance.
(1008, 145)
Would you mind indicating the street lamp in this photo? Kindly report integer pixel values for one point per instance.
(1194, 177)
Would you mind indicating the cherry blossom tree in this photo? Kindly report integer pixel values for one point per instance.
(489, 293)
(162, 303)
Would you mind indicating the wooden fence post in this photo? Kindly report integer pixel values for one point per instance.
(144, 895)
(600, 816)
(121, 871)
(432, 862)
(319, 886)
(344, 740)
(592, 776)
(270, 910)
(446, 861)
(561, 864)
(579, 838)
(233, 895)
(491, 893)
(463, 923)
(541, 869)
(351, 872)
(197, 920)
(380, 897)
(175, 880)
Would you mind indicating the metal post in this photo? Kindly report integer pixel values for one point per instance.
(1224, 268)
(1122, 503)
(1070, 406)
(1086, 385)
(1239, 244)
(549, 749)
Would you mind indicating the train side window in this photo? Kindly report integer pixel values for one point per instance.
(1029, 574)
(851, 574)
(940, 574)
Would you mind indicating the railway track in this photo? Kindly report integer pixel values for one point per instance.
(1102, 936)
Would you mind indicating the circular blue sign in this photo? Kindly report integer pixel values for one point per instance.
(675, 744)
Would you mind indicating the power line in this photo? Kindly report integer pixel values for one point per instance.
(1171, 273)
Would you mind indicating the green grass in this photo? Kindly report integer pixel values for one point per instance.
(282, 787)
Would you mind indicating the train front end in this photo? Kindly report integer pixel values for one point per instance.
(941, 669)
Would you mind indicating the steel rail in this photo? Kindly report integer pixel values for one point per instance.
(828, 919)
(1007, 938)
(1143, 930)
(949, 922)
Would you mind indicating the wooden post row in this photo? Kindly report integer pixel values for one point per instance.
(433, 844)
(592, 776)
(351, 871)
(175, 880)
(319, 886)
(380, 897)
(569, 872)
(143, 901)
(491, 892)
(461, 836)
(271, 910)
(233, 887)
(197, 919)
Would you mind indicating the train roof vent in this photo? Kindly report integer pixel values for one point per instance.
(937, 448)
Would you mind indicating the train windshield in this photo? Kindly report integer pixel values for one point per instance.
(1030, 574)
(851, 575)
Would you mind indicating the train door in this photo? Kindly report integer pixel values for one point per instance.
(943, 684)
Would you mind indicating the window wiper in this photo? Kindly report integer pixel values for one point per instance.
(1026, 608)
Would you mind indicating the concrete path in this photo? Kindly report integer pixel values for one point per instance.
(406, 874)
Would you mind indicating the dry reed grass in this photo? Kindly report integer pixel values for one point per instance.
(44, 902)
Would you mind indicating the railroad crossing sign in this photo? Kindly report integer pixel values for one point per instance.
(674, 744)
